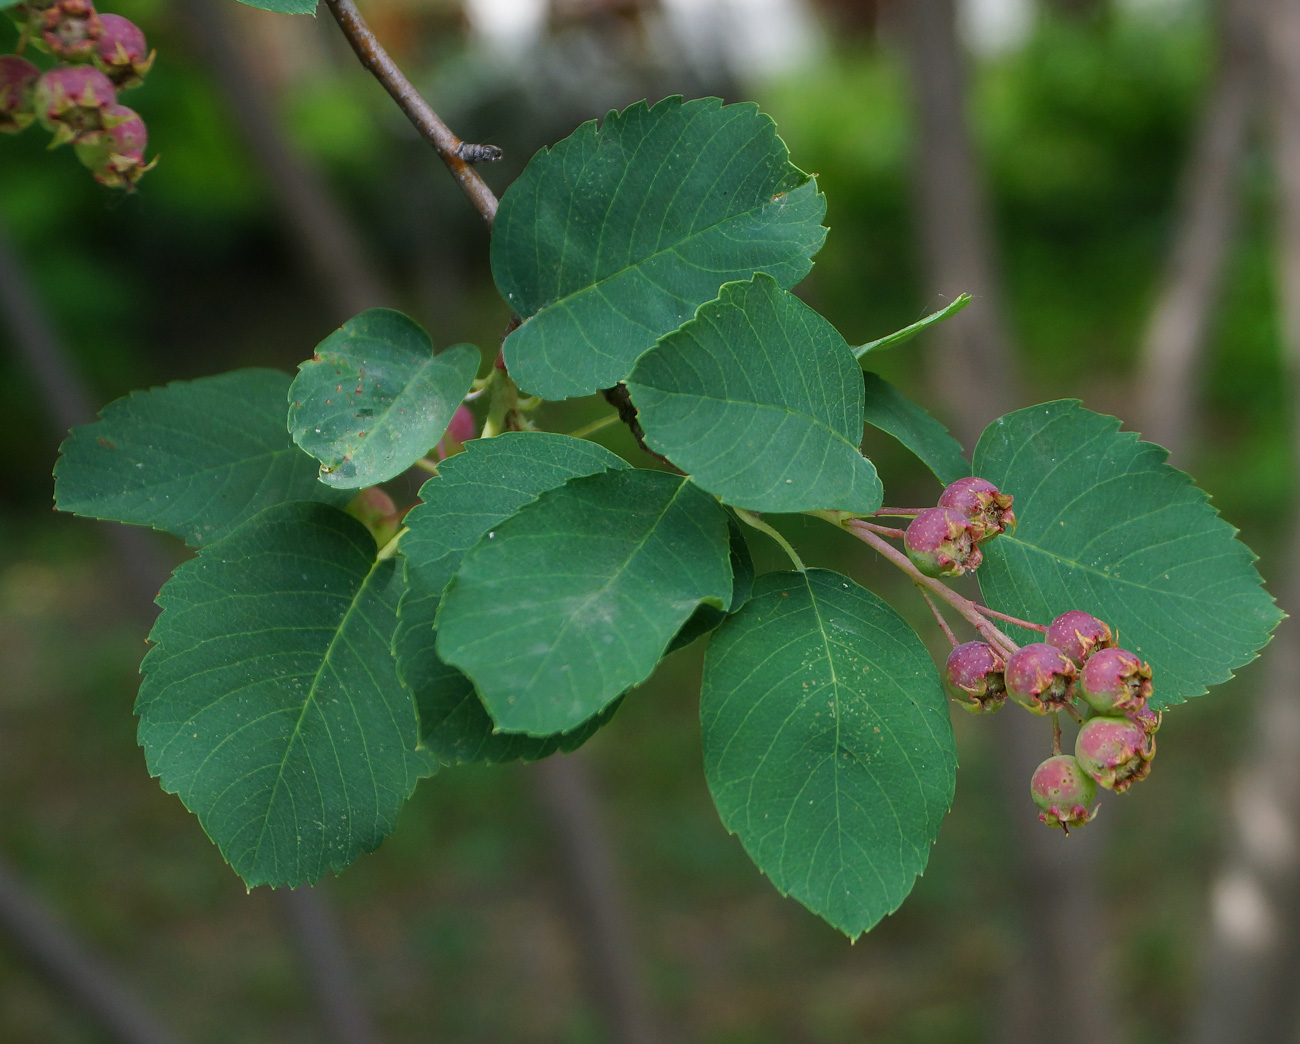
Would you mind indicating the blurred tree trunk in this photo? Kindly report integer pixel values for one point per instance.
(1249, 992)
(972, 370)
(1174, 346)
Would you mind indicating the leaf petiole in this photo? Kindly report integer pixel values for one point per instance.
(751, 519)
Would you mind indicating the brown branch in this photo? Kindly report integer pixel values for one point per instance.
(418, 111)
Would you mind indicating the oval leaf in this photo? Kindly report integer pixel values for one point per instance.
(271, 703)
(474, 491)
(284, 6)
(895, 414)
(759, 400)
(566, 604)
(374, 398)
(614, 236)
(1105, 525)
(827, 744)
(196, 458)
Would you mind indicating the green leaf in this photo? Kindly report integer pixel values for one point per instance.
(196, 458)
(614, 236)
(706, 617)
(895, 414)
(474, 491)
(271, 703)
(1105, 525)
(374, 398)
(572, 600)
(284, 6)
(908, 332)
(827, 744)
(759, 401)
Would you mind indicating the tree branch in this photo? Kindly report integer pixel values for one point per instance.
(418, 111)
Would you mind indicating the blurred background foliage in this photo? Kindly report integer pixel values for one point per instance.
(457, 924)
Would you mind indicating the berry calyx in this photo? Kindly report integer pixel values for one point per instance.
(973, 675)
(1079, 634)
(18, 79)
(1115, 680)
(1116, 752)
(72, 102)
(1063, 791)
(70, 29)
(1040, 678)
(983, 503)
(115, 155)
(941, 541)
(1148, 719)
(122, 52)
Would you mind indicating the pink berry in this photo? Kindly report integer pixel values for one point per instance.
(72, 101)
(1079, 634)
(941, 541)
(18, 79)
(981, 502)
(70, 29)
(1040, 678)
(1116, 752)
(462, 428)
(375, 510)
(973, 675)
(122, 53)
(1115, 680)
(116, 154)
(1063, 792)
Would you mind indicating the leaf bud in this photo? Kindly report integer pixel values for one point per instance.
(1040, 678)
(18, 79)
(116, 154)
(72, 102)
(940, 541)
(1115, 680)
(980, 501)
(1079, 634)
(1063, 791)
(122, 52)
(973, 675)
(1116, 752)
(69, 29)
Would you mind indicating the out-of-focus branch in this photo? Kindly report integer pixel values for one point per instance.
(1173, 350)
(972, 372)
(326, 238)
(1249, 994)
(449, 147)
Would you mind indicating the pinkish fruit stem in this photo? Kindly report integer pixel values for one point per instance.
(1056, 733)
(965, 606)
(938, 616)
(886, 531)
(1040, 628)
(908, 512)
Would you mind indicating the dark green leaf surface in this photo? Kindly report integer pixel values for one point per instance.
(759, 400)
(614, 236)
(1105, 525)
(271, 703)
(895, 414)
(284, 6)
(908, 332)
(572, 600)
(474, 491)
(195, 458)
(374, 399)
(706, 617)
(827, 744)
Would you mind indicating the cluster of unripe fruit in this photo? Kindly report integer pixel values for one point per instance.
(96, 56)
(945, 540)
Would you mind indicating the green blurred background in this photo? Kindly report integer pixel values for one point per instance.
(457, 926)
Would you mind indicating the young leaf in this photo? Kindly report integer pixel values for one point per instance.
(196, 458)
(474, 491)
(759, 401)
(374, 398)
(827, 744)
(1105, 525)
(271, 703)
(563, 606)
(615, 235)
(908, 332)
(895, 414)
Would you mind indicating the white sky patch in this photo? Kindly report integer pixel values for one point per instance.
(992, 27)
(507, 26)
(753, 37)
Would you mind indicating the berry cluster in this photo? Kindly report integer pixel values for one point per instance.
(96, 56)
(945, 540)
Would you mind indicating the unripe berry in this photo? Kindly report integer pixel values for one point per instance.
(1063, 792)
(116, 154)
(122, 52)
(1079, 634)
(981, 501)
(375, 510)
(973, 676)
(462, 428)
(1040, 678)
(941, 541)
(1116, 752)
(18, 79)
(70, 29)
(1115, 680)
(71, 103)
